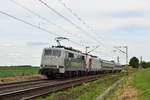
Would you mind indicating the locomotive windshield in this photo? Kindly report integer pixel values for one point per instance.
(50, 52)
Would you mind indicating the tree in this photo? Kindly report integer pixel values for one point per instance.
(134, 62)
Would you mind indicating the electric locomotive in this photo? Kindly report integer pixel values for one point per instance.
(61, 61)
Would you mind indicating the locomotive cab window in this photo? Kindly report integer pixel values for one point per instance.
(70, 55)
(49, 52)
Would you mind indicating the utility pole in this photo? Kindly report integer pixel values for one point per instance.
(118, 59)
(86, 49)
(86, 57)
(124, 52)
(141, 60)
(127, 56)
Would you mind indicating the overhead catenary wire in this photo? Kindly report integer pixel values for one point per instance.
(68, 20)
(28, 23)
(79, 28)
(35, 26)
(80, 19)
(38, 15)
(43, 18)
(76, 15)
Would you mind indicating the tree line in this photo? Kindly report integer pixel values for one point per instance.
(135, 63)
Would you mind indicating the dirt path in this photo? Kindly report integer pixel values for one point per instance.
(129, 92)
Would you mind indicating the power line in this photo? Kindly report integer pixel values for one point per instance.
(4, 13)
(38, 26)
(43, 18)
(36, 14)
(76, 15)
(76, 26)
(55, 11)
(78, 18)
(35, 26)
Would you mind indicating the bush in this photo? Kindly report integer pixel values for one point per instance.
(145, 64)
(134, 62)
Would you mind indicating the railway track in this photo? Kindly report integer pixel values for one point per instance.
(32, 89)
(5, 88)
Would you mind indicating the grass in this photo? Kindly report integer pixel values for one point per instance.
(87, 91)
(17, 71)
(116, 93)
(141, 81)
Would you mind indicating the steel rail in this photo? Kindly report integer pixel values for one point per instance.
(20, 82)
(23, 85)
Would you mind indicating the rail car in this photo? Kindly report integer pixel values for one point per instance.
(60, 61)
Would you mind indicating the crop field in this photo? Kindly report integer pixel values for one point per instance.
(141, 81)
(17, 71)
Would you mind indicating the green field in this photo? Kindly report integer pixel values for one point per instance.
(17, 71)
(141, 81)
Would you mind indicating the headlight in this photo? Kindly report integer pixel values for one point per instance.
(42, 65)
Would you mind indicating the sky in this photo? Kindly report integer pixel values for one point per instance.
(107, 23)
